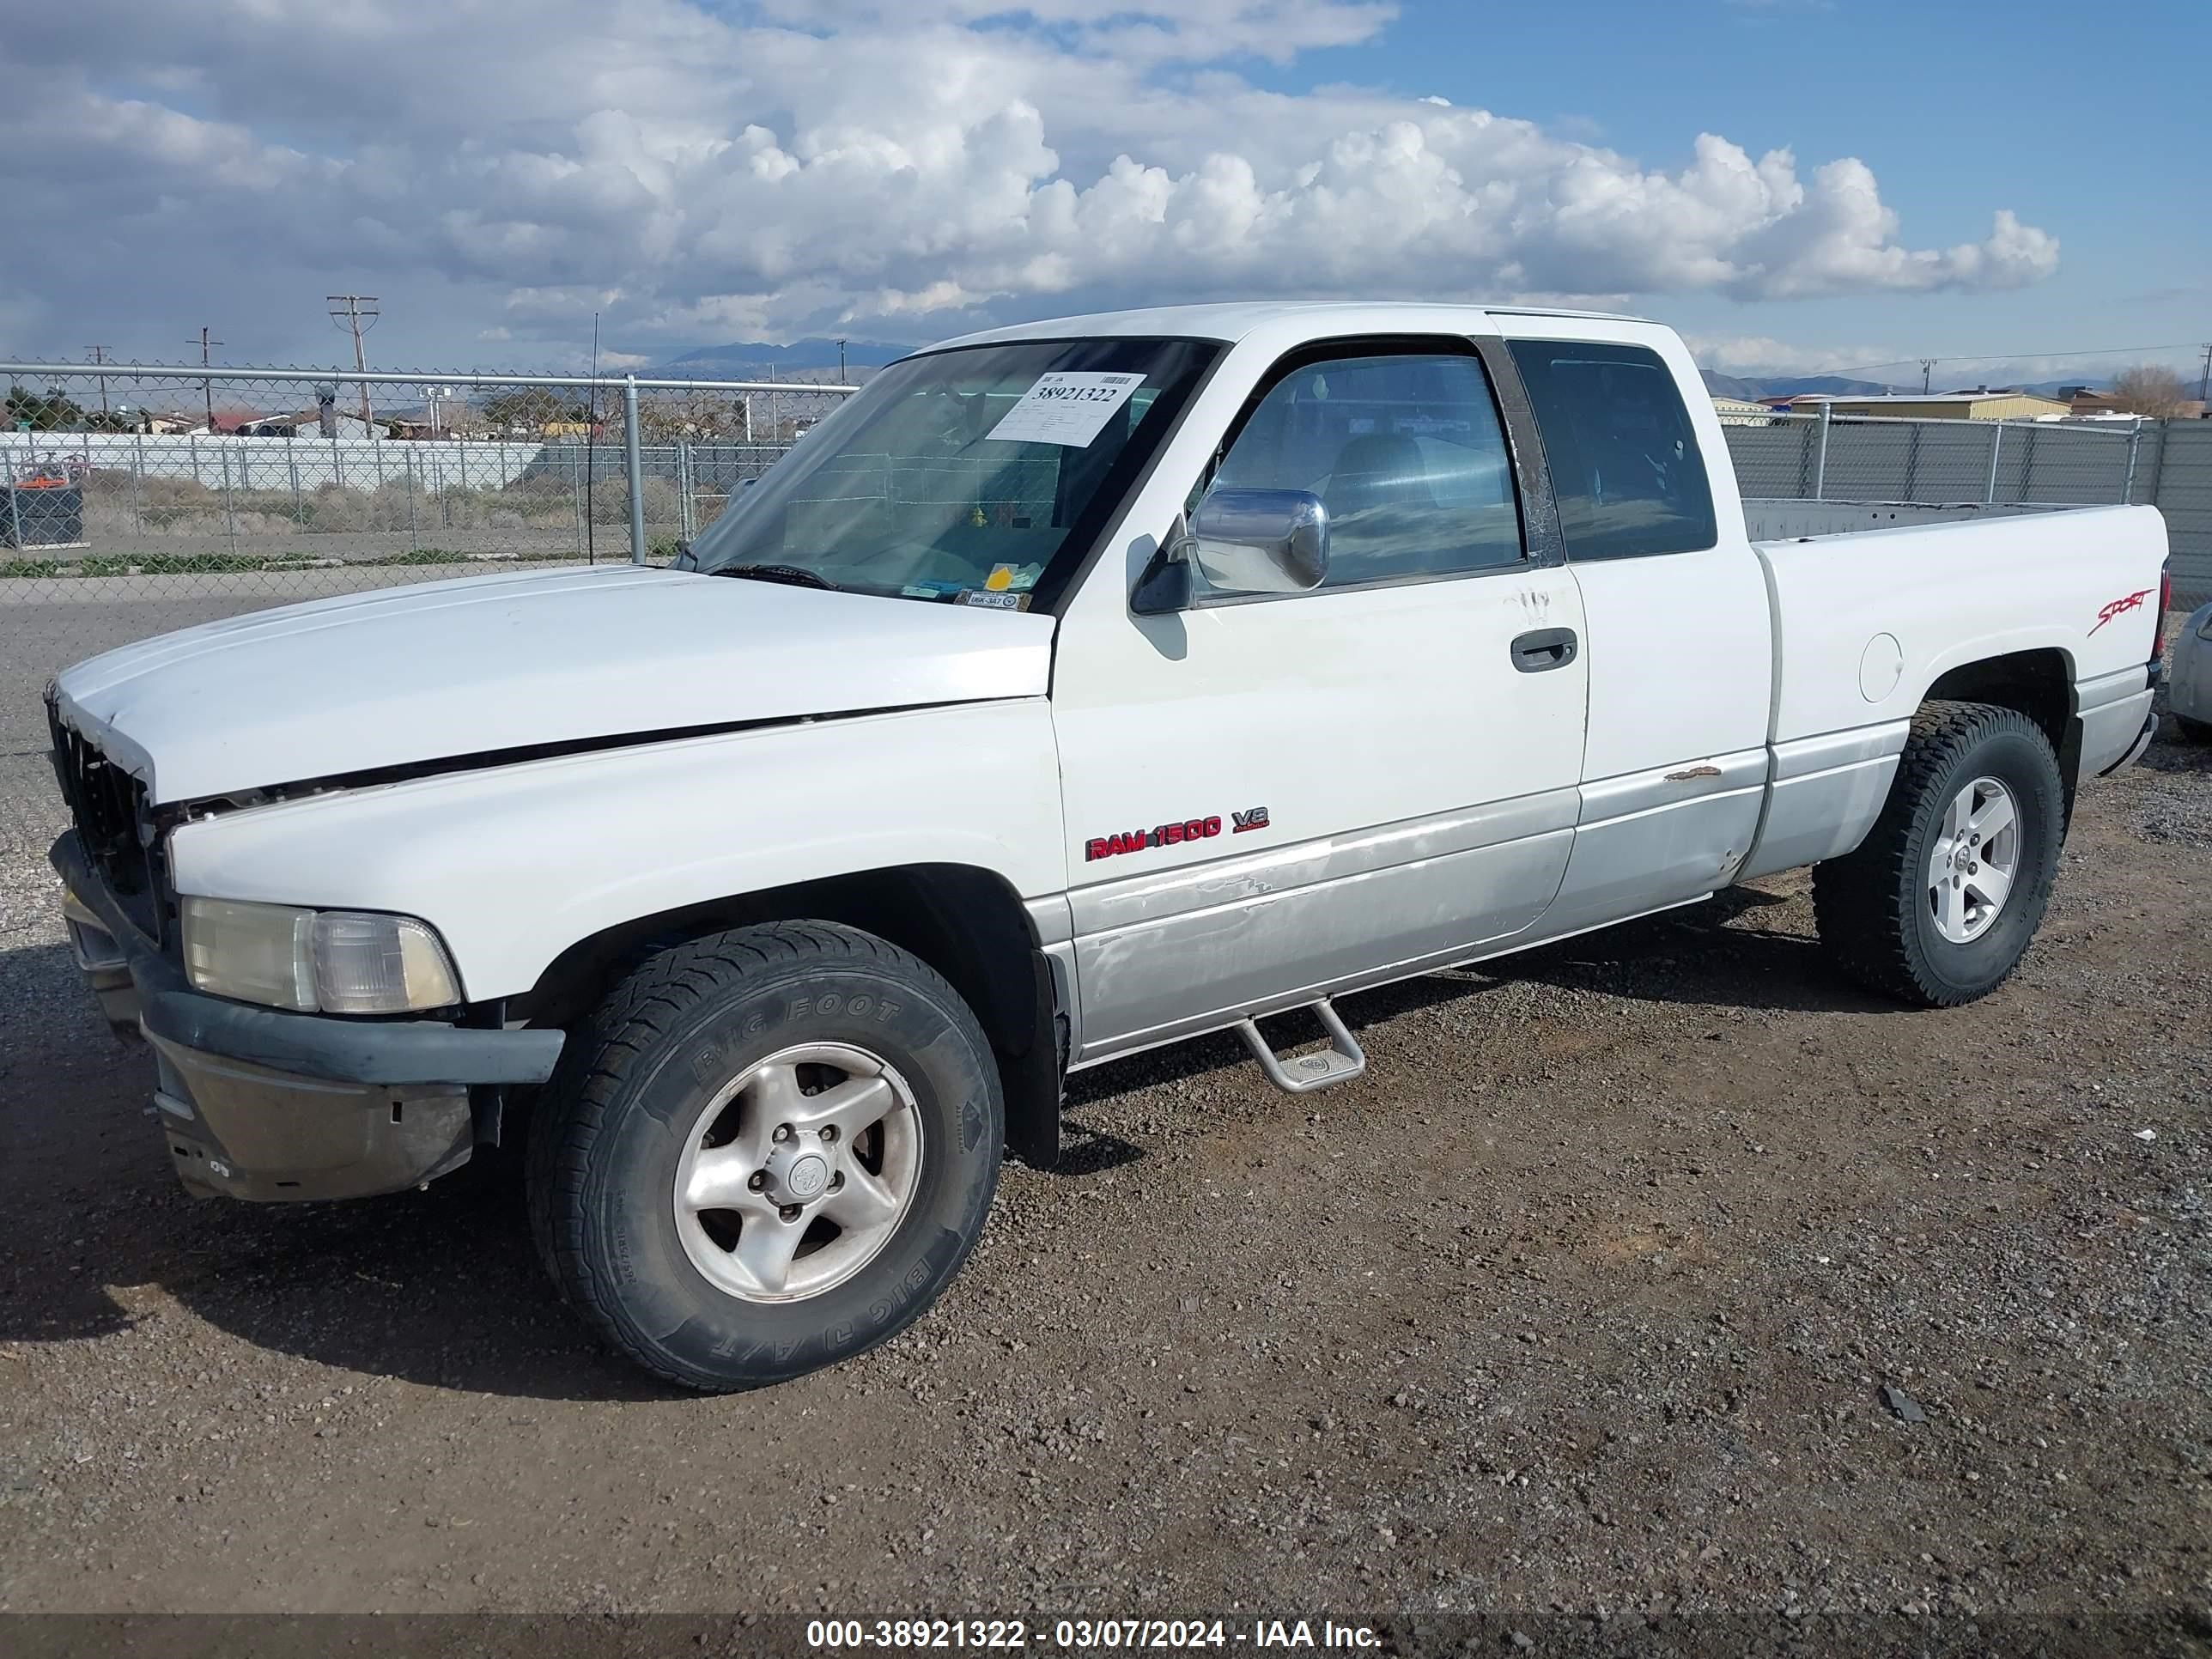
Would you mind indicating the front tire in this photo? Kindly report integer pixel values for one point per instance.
(1936, 907)
(769, 1150)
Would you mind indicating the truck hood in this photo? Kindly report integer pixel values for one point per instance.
(475, 666)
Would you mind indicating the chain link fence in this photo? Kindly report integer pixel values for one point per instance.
(2164, 464)
(1805, 457)
(139, 499)
(2174, 475)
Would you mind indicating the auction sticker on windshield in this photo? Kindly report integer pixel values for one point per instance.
(1067, 406)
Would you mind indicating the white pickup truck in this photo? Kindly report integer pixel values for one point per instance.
(1077, 688)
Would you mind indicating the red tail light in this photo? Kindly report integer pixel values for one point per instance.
(2164, 604)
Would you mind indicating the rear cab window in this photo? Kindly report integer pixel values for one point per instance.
(1627, 470)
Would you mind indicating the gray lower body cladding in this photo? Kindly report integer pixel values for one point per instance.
(1160, 956)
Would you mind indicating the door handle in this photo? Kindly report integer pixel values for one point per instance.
(1546, 648)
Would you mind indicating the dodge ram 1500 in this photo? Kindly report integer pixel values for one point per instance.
(1076, 688)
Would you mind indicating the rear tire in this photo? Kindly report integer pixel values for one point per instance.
(1915, 911)
(767, 1150)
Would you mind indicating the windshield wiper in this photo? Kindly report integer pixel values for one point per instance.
(796, 576)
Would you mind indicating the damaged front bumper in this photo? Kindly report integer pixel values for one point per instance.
(258, 1103)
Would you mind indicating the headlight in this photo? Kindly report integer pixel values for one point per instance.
(334, 961)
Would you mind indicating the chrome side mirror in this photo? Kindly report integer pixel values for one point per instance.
(1260, 541)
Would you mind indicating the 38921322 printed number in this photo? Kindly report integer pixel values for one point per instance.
(836, 1633)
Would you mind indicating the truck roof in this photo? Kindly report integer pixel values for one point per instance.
(1232, 320)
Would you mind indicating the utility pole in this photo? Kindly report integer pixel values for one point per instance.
(357, 312)
(2204, 380)
(100, 355)
(841, 364)
(207, 387)
(1927, 369)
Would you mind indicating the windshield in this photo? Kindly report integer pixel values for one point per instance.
(978, 475)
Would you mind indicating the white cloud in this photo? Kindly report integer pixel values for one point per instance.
(1759, 354)
(860, 165)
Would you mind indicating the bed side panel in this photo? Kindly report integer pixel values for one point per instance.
(1866, 622)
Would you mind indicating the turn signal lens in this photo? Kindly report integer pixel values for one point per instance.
(375, 964)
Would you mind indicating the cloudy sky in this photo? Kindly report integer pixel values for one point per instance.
(1797, 184)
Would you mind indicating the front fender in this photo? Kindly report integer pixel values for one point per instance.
(514, 864)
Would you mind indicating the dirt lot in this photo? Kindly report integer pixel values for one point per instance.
(1578, 1307)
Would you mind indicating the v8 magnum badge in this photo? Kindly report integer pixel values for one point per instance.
(1170, 835)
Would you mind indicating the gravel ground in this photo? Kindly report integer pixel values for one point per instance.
(1575, 1314)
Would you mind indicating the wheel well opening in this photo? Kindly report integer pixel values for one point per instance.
(2038, 684)
(965, 922)
(2035, 683)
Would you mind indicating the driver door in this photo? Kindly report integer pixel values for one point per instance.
(1270, 798)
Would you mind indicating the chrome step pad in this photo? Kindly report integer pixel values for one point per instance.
(1308, 1074)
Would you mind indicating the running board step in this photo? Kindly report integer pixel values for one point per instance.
(1344, 1061)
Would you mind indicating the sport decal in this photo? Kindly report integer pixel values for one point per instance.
(2129, 602)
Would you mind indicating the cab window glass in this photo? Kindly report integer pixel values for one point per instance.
(1626, 470)
(1405, 451)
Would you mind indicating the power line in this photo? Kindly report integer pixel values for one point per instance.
(360, 314)
(207, 387)
(591, 449)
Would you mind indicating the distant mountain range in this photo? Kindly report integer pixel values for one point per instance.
(802, 360)
(1784, 385)
(816, 360)
(2052, 388)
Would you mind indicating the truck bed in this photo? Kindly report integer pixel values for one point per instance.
(1874, 602)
